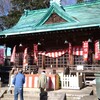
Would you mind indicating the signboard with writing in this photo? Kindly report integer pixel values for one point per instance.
(97, 50)
(85, 50)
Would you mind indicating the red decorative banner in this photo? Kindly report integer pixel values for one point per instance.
(1, 55)
(12, 59)
(97, 50)
(85, 50)
(35, 52)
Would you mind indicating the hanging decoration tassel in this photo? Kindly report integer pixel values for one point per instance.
(25, 59)
(12, 59)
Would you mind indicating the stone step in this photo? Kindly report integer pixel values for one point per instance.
(46, 96)
(50, 94)
(25, 95)
(73, 98)
(55, 95)
(34, 98)
(9, 96)
(26, 90)
(92, 97)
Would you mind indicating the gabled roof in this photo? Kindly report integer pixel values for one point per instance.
(76, 16)
(58, 10)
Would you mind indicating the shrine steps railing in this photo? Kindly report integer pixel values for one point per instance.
(73, 68)
(85, 68)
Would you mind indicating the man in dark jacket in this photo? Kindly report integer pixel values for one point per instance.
(18, 82)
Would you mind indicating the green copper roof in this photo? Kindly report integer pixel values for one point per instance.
(76, 16)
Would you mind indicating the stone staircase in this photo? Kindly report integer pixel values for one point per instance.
(61, 94)
(30, 94)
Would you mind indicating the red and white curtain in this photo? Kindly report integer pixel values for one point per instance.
(77, 50)
(97, 50)
(12, 59)
(53, 54)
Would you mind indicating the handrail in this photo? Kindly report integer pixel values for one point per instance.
(93, 67)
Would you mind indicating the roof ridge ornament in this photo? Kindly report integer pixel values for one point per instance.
(58, 2)
(25, 12)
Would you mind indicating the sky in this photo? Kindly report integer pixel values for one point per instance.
(71, 2)
(68, 2)
(8, 50)
(4, 7)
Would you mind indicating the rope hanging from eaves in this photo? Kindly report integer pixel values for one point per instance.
(53, 54)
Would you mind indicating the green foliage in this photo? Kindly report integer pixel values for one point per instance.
(30, 4)
(18, 9)
(37, 4)
(11, 19)
(80, 1)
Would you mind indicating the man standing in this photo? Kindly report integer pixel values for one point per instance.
(42, 85)
(42, 81)
(18, 82)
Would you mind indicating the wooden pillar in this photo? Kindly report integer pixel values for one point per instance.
(56, 62)
(93, 59)
(43, 61)
(5, 51)
(84, 78)
(71, 59)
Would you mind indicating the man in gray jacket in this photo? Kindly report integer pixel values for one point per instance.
(42, 85)
(42, 81)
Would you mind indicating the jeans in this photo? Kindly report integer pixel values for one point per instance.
(18, 90)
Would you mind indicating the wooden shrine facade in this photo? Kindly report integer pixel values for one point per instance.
(53, 42)
(44, 60)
